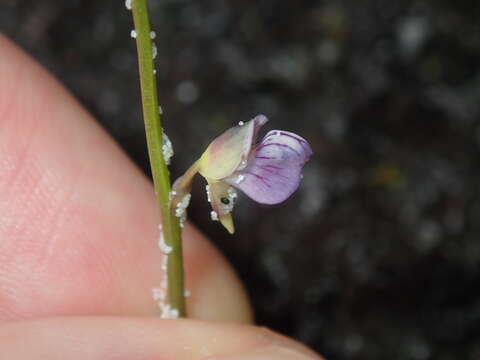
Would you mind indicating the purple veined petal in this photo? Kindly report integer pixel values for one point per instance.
(297, 144)
(274, 168)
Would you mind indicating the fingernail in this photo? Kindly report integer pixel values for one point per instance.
(272, 352)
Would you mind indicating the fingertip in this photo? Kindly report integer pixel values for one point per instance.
(80, 216)
(217, 294)
(135, 338)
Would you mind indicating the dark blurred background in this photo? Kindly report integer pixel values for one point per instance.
(377, 255)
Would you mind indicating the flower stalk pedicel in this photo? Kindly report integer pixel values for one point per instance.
(158, 146)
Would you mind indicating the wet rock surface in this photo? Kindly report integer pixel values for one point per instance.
(377, 255)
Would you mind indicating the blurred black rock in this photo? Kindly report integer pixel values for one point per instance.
(378, 254)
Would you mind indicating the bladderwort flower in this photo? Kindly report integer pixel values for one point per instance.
(268, 172)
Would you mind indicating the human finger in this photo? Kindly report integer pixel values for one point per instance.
(138, 339)
(78, 221)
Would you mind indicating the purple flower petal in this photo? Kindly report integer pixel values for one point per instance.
(274, 168)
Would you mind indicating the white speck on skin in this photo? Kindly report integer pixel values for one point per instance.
(128, 4)
(240, 178)
(167, 149)
(154, 51)
(153, 35)
(186, 293)
(214, 215)
(209, 198)
(241, 123)
(133, 34)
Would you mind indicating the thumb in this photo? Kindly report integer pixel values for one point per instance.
(137, 338)
(76, 216)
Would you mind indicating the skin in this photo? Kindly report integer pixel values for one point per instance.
(78, 249)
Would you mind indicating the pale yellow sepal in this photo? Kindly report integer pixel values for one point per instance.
(226, 153)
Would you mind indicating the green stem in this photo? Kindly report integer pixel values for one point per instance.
(160, 173)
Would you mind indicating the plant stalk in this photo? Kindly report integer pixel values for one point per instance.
(160, 173)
